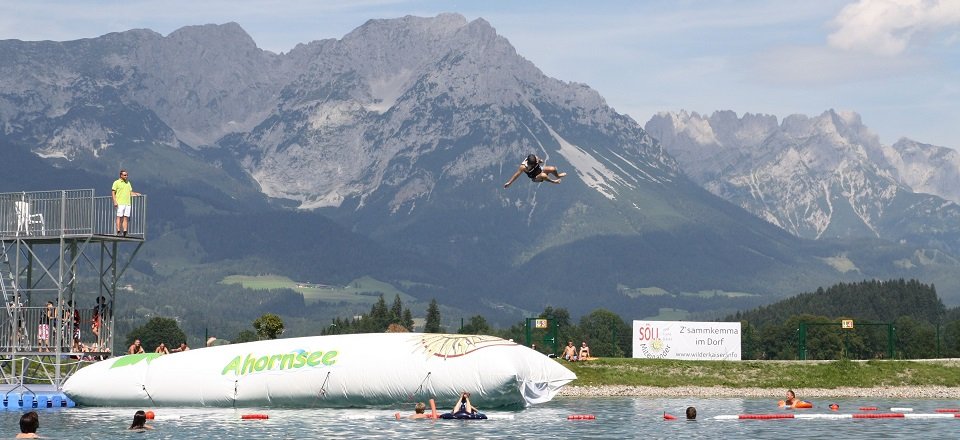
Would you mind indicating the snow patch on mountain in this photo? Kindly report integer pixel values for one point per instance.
(387, 89)
(595, 174)
(841, 263)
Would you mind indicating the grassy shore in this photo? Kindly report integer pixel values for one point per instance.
(617, 376)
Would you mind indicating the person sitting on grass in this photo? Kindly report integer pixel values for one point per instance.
(569, 352)
(584, 351)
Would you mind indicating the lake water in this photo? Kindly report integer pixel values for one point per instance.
(621, 417)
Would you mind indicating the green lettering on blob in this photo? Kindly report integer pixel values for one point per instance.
(243, 365)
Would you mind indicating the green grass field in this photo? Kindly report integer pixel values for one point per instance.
(765, 374)
(364, 290)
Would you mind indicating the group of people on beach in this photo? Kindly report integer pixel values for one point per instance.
(30, 423)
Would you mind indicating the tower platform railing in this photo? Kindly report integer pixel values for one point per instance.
(65, 213)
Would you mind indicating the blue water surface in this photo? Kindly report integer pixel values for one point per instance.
(619, 417)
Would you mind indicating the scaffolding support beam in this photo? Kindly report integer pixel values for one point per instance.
(53, 233)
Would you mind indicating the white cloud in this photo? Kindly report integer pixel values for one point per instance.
(887, 27)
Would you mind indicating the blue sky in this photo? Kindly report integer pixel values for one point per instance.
(896, 62)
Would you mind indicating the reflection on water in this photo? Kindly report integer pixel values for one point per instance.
(621, 417)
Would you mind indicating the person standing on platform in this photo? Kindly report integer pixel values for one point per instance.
(122, 191)
(43, 330)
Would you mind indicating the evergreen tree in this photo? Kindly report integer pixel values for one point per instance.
(433, 318)
(378, 319)
(155, 331)
(407, 320)
(396, 311)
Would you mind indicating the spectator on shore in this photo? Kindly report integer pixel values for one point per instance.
(29, 423)
(162, 349)
(584, 351)
(183, 347)
(569, 352)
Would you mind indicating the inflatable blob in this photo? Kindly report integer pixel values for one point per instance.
(326, 371)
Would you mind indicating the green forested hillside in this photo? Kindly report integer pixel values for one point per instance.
(872, 300)
(896, 318)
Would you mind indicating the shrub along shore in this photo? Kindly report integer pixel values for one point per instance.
(930, 379)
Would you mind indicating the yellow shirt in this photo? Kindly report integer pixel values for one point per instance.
(122, 191)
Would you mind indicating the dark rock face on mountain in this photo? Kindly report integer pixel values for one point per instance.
(404, 132)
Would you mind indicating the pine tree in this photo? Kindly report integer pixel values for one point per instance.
(433, 318)
(379, 317)
(407, 319)
(396, 311)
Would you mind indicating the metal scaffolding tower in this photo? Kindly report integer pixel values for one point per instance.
(55, 246)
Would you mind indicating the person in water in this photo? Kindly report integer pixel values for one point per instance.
(534, 168)
(29, 423)
(140, 421)
(463, 405)
(791, 398)
(418, 411)
(691, 413)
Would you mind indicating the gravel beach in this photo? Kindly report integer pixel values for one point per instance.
(898, 392)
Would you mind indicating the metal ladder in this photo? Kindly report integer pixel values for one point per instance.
(11, 300)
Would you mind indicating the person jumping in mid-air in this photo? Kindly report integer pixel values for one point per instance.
(534, 169)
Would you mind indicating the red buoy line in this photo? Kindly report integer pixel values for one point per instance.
(581, 417)
(254, 417)
(776, 416)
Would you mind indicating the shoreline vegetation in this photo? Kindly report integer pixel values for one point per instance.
(916, 379)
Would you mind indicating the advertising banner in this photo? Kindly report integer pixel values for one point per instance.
(707, 341)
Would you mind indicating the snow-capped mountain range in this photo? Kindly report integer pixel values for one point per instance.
(819, 177)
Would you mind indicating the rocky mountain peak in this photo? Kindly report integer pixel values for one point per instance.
(227, 36)
(814, 176)
(926, 168)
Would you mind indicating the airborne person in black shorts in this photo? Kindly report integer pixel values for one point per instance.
(534, 169)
